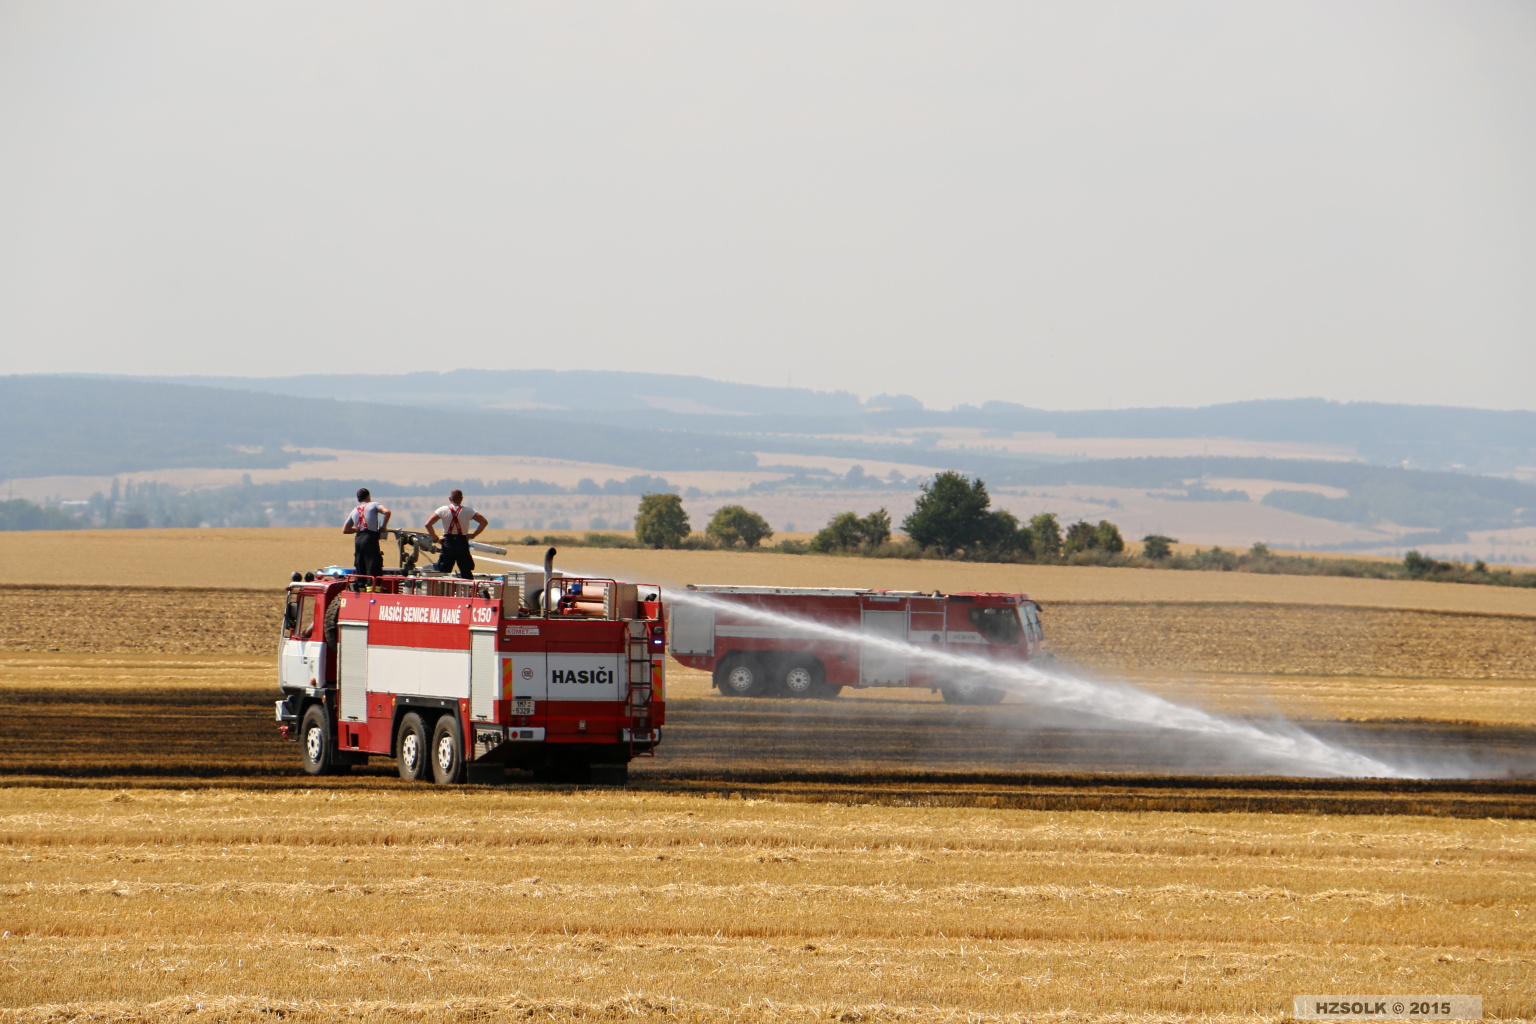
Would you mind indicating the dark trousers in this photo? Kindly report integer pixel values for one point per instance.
(455, 547)
(367, 559)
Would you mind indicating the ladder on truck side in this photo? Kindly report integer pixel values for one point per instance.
(641, 689)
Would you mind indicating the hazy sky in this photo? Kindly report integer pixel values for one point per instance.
(1069, 205)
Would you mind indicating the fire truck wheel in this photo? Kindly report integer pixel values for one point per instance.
(317, 744)
(332, 620)
(411, 748)
(803, 677)
(447, 752)
(741, 676)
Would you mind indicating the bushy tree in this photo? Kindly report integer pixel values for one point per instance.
(1106, 537)
(952, 514)
(1157, 547)
(847, 532)
(735, 524)
(1084, 536)
(1045, 537)
(876, 528)
(840, 534)
(1418, 565)
(1081, 536)
(662, 522)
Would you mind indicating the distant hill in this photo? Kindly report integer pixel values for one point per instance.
(102, 425)
(97, 426)
(1424, 437)
(1431, 501)
(612, 393)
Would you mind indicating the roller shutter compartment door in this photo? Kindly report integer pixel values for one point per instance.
(354, 672)
(692, 631)
(879, 664)
(484, 680)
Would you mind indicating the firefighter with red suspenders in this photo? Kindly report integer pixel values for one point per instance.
(368, 521)
(455, 516)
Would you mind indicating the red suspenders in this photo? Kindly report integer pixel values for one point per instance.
(362, 516)
(453, 519)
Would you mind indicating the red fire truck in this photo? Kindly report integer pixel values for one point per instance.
(461, 679)
(764, 655)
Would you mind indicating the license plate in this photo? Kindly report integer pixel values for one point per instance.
(522, 706)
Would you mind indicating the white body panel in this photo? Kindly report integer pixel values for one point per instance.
(527, 677)
(299, 663)
(418, 671)
(586, 676)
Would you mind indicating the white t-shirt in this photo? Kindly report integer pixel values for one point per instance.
(365, 516)
(466, 519)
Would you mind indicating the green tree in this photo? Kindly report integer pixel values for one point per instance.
(1045, 537)
(952, 514)
(841, 534)
(1081, 536)
(20, 514)
(1157, 547)
(875, 528)
(1106, 537)
(661, 521)
(735, 524)
(846, 532)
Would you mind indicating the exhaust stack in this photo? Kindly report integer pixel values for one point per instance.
(549, 579)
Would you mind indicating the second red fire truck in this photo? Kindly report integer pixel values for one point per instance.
(771, 654)
(458, 679)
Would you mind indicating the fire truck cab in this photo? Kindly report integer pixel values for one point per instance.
(462, 679)
(747, 639)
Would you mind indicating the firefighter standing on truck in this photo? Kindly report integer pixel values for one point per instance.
(369, 521)
(455, 543)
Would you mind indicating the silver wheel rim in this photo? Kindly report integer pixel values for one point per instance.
(740, 679)
(799, 680)
(445, 754)
(314, 743)
(410, 751)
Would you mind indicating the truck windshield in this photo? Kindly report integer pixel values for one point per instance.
(998, 625)
(1031, 622)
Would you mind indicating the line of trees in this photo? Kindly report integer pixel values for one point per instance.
(662, 522)
(954, 518)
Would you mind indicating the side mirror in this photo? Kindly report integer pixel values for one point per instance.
(290, 616)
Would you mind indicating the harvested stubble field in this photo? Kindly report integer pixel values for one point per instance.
(163, 857)
(618, 905)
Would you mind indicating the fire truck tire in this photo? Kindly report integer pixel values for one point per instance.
(332, 619)
(412, 749)
(803, 677)
(317, 743)
(741, 676)
(447, 753)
